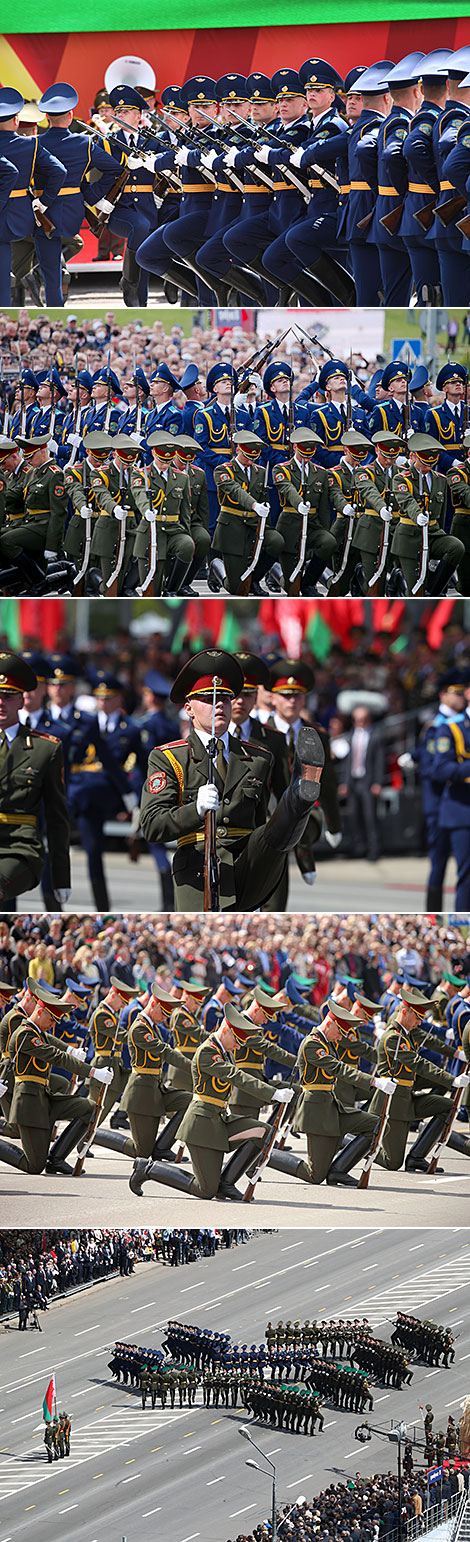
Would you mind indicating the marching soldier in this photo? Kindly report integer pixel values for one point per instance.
(186, 1031)
(79, 482)
(246, 542)
(304, 520)
(458, 482)
(163, 544)
(108, 1037)
(420, 494)
(320, 1114)
(252, 850)
(146, 1099)
(67, 1425)
(290, 681)
(398, 1058)
(40, 175)
(12, 481)
(344, 502)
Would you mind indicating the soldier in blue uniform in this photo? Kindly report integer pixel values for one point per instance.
(213, 1010)
(390, 415)
(447, 422)
(257, 191)
(392, 179)
(53, 404)
(28, 411)
(107, 413)
(181, 237)
(423, 181)
(256, 233)
(454, 260)
(195, 393)
(212, 429)
(359, 195)
(313, 240)
(157, 727)
(420, 387)
(450, 710)
(271, 424)
(78, 420)
(78, 153)
(450, 773)
(212, 257)
(163, 411)
(135, 418)
(330, 421)
(39, 172)
(135, 213)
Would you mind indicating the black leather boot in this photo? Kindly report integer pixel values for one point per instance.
(335, 278)
(237, 1164)
(115, 1140)
(13, 1155)
(339, 1172)
(285, 1162)
(160, 1172)
(166, 1137)
(421, 1148)
(61, 1148)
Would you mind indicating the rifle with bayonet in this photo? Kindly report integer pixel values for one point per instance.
(211, 862)
(385, 536)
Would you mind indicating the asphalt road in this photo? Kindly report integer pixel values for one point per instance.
(182, 1476)
(102, 1197)
(392, 883)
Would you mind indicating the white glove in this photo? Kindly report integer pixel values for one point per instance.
(79, 1054)
(101, 1075)
(385, 514)
(296, 157)
(181, 157)
(262, 509)
(52, 446)
(3, 1089)
(348, 510)
(39, 208)
(384, 1083)
(450, 1036)
(282, 1095)
(309, 878)
(263, 153)
(422, 519)
(150, 515)
(303, 508)
(135, 821)
(134, 161)
(75, 440)
(62, 895)
(405, 760)
(207, 798)
(401, 460)
(334, 838)
(136, 437)
(85, 512)
(130, 801)
(104, 206)
(119, 513)
(460, 1054)
(462, 1080)
(51, 556)
(231, 156)
(209, 158)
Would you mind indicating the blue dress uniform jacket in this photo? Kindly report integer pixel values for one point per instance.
(448, 428)
(125, 746)
(329, 422)
(453, 262)
(32, 416)
(168, 417)
(93, 770)
(212, 431)
(451, 770)
(78, 153)
(98, 422)
(40, 174)
(72, 423)
(8, 179)
(423, 189)
(389, 417)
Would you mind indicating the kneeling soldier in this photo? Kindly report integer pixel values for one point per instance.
(304, 521)
(116, 492)
(163, 545)
(243, 537)
(420, 493)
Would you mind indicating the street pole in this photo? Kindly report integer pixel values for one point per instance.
(399, 1489)
(274, 1517)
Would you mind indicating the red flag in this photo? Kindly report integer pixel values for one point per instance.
(440, 615)
(42, 621)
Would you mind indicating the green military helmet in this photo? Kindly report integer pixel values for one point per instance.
(36, 442)
(98, 443)
(357, 444)
(425, 446)
(304, 439)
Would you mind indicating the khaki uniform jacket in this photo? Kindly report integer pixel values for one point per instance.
(371, 483)
(318, 1112)
(199, 498)
(110, 487)
(287, 477)
(32, 1053)
(171, 501)
(207, 1122)
(32, 785)
(148, 1051)
(407, 537)
(238, 492)
(45, 503)
(80, 483)
(187, 1035)
(399, 1057)
(251, 1058)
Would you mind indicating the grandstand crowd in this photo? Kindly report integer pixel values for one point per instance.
(363, 1509)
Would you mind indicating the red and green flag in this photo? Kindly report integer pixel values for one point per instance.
(48, 1403)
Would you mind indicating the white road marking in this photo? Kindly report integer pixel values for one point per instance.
(69, 1507)
(303, 1479)
(151, 1512)
(215, 1480)
(241, 1512)
(87, 1330)
(142, 1308)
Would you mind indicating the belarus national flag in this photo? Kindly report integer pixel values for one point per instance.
(48, 1402)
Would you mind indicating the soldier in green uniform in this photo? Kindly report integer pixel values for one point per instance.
(164, 505)
(67, 1426)
(186, 1032)
(458, 482)
(377, 515)
(108, 1036)
(320, 1114)
(207, 1128)
(35, 1108)
(304, 521)
(252, 849)
(11, 1015)
(146, 1099)
(186, 449)
(290, 681)
(79, 482)
(115, 497)
(144, 1383)
(398, 1057)
(11, 481)
(61, 1436)
(49, 1441)
(343, 501)
(420, 494)
(242, 535)
(251, 1055)
(32, 793)
(41, 529)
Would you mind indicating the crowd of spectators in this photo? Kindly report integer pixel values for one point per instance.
(134, 947)
(35, 1266)
(365, 1509)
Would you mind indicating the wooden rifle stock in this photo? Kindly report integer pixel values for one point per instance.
(98, 222)
(447, 212)
(425, 216)
(391, 221)
(265, 1153)
(87, 1139)
(363, 1181)
(450, 1120)
(365, 221)
(464, 226)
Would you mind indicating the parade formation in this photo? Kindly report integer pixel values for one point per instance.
(304, 186)
(146, 486)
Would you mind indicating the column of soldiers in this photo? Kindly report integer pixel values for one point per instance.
(306, 186)
(57, 1437)
(429, 1340)
(288, 1351)
(335, 490)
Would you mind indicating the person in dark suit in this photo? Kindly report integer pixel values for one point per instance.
(363, 773)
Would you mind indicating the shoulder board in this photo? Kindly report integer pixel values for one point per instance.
(255, 749)
(173, 744)
(49, 738)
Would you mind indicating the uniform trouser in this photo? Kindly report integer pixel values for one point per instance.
(340, 531)
(366, 271)
(207, 1162)
(425, 266)
(114, 1090)
(17, 875)
(397, 278)
(248, 238)
(370, 563)
(35, 1139)
(90, 825)
(135, 226)
(444, 547)
(455, 274)
(108, 564)
(144, 1127)
(153, 254)
(5, 269)
(460, 847)
(49, 250)
(273, 546)
(259, 867)
(24, 538)
(460, 527)
(322, 1148)
(439, 849)
(321, 548)
(362, 805)
(179, 545)
(393, 1148)
(182, 237)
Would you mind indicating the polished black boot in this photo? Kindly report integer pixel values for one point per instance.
(181, 277)
(237, 1164)
(166, 882)
(434, 900)
(100, 894)
(176, 576)
(166, 1137)
(13, 1155)
(63, 1145)
(423, 1146)
(309, 290)
(286, 826)
(235, 278)
(338, 1174)
(159, 1172)
(439, 580)
(115, 1140)
(335, 278)
(285, 1162)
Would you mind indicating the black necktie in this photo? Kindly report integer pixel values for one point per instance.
(4, 747)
